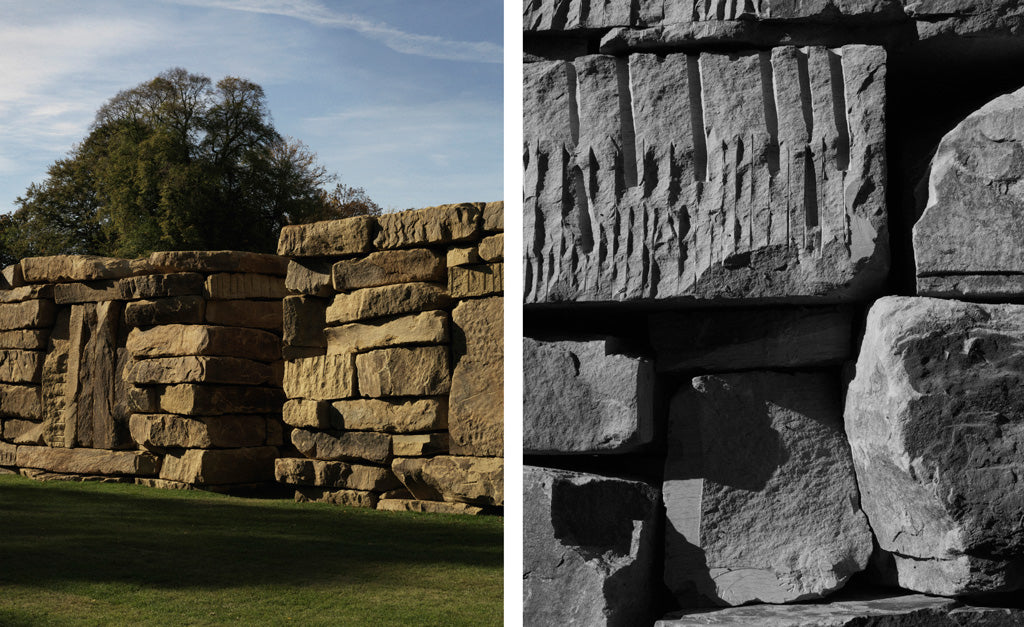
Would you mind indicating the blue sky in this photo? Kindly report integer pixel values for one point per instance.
(400, 97)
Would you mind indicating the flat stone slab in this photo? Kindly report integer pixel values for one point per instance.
(428, 327)
(334, 474)
(178, 340)
(325, 377)
(428, 507)
(582, 397)
(589, 545)
(332, 237)
(310, 276)
(160, 311)
(89, 292)
(241, 285)
(73, 268)
(472, 281)
(388, 300)
(172, 431)
(209, 261)
(432, 225)
(460, 479)
(419, 371)
(344, 446)
(29, 314)
(193, 369)
(151, 286)
(220, 467)
(205, 400)
(254, 314)
(348, 498)
(393, 415)
(87, 461)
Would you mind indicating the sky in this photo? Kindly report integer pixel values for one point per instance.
(400, 97)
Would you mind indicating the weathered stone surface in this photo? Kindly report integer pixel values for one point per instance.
(409, 471)
(54, 380)
(333, 237)
(160, 286)
(760, 495)
(986, 287)
(8, 454)
(476, 480)
(169, 430)
(389, 300)
(476, 280)
(25, 339)
(388, 267)
(30, 314)
(220, 467)
(306, 413)
(420, 444)
(735, 339)
(325, 377)
(422, 371)
(237, 285)
(192, 369)
(932, 417)
(142, 399)
(584, 397)
(477, 398)
(70, 268)
(208, 261)
(346, 446)
(972, 224)
(17, 366)
(178, 340)
(764, 179)
(492, 248)
(21, 401)
(310, 276)
(26, 292)
(429, 327)
(91, 292)
(391, 415)
(332, 474)
(433, 225)
(588, 549)
(304, 318)
(253, 314)
(349, 498)
(13, 276)
(175, 310)
(86, 461)
(91, 413)
(428, 507)
(211, 400)
(462, 256)
(494, 216)
(21, 431)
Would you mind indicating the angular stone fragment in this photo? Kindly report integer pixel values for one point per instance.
(429, 327)
(304, 319)
(333, 237)
(332, 474)
(584, 397)
(492, 248)
(494, 216)
(433, 225)
(388, 267)
(160, 286)
(85, 461)
(18, 366)
(13, 276)
(70, 268)
(349, 498)
(760, 495)
(210, 400)
(310, 276)
(462, 256)
(735, 339)
(30, 314)
(476, 480)
(305, 413)
(26, 292)
(208, 261)
(389, 300)
(588, 549)
(326, 377)
(169, 430)
(21, 401)
(409, 471)
(91, 292)
(476, 280)
(346, 446)
(236, 285)
(25, 339)
(427, 507)
(933, 419)
(178, 340)
(390, 416)
(420, 444)
(258, 314)
(192, 369)
(175, 310)
(220, 467)
(421, 371)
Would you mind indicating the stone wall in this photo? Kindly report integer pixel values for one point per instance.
(393, 348)
(766, 363)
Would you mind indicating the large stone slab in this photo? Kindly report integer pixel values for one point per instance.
(421, 371)
(745, 176)
(239, 285)
(178, 340)
(389, 267)
(429, 327)
(333, 237)
(208, 261)
(213, 400)
(25, 292)
(585, 397)
(324, 377)
(18, 366)
(347, 498)
(172, 431)
(21, 401)
(477, 398)
(390, 415)
(86, 461)
(933, 416)
(760, 496)
(310, 276)
(159, 311)
(589, 549)
(333, 474)
(420, 444)
(475, 480)
(90, 292)
(428, 507)
(432, 225)
(972, 227)
(29, 314)
(71, 268)
(93, 410)
(192, 369)
(389, 300)
(254, 314)
(151, 286)
(345, 446)
(494, 216)
(25, 339)
(733, 339)
(476, 280)
(220, 467)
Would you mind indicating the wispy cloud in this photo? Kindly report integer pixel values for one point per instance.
(396, 39)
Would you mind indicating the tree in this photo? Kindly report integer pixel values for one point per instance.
(178, 163)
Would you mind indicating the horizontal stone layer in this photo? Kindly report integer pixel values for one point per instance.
(343, 446)
(389, 300)
(220, 467)
(70, 268)
(334, 474)
(428, 507)
(179, 340)
(429, 327)
(89, 292)
(333, 237)
(388, 267)
(210, 261)
(173, 431)
(254, 314)
(209, 400)
(198, 369)
(432, 225)
(160, 311)
(349, 498)
(420, 371)
(234, 285)
(86, 461)
(29, 314)
(160, 286)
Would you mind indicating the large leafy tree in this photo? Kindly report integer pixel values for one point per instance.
(178, 163)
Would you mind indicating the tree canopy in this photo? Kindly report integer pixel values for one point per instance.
(178, 163)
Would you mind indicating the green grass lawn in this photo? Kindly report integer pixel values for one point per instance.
(109, 554)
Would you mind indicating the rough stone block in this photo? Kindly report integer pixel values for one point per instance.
(193, 369)
(332, 474)
(760, 495)
(8, 454)
(213, 400)
(494, 216)
(253, 314)
(304, 319)
(86, 461)
(388, 267)
(21, 431)
(305, 413)
(427, 507)
(13, 276)
(151, 286)
(18, 366)
(172, 431)
(71, 268)
(310, 276)
(176, 310)
(21, 401)
(588, 549)
(429, 327)
(475, 480)
(492, 248)
(422, 371)
(26, 292)
(462, 256)
(91, 292)
(476, 280)
(325, 377)
(209, 261)
(30, 314)
(142, 399)
(348, 498)
(25, 339)
(476, 401)
(178, 340)
(235, 285)
(346, 446)
(389, 300)
(433, 225)
(409, 471)
(220, 467)
(390, 416)
(420, 444)
(333, 237)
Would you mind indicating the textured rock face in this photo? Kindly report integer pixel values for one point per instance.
(757, 175)
(477, 398)
(174, 340)
(588, 549)
(333, 237)
(760, 495)
(389, 300)
(581, 397)
(84, 461)
(934, 419)
(388, 267)
(429, 327)
(433, 225)
(404, 372)
(968, 240)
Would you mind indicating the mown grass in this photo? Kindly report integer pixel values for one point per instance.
(108, 554)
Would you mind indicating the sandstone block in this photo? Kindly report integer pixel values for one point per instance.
(391, 415)
(492, 248)
(326, 377)
(389, 300)
(429, 327)
(420, 444)
(176, 310)
(494, 216)
(409, 471)
(333, 237)
(304, 320)
(332, 474)
(86, 461)
(476, 400)
(760, 495)
(462, 256)
(475, 480)
(91, 292)
(588, 549)
(172, 431)
(30, 314)
(8, 454)
(92, 410)
(432, 225)
(213, 400)
(388, 267)
(26, 292)
(21, 401)
(305, 413)
(346, 446)
(142, 399)
(422, 371)
(21, 431)
(179, 340)
(348, 498)
(25, 339)
(583, 397)
(209, 261)
(476, 280)
(427, 507)
(236, 285)
(18, 366)
(13, 276)
(151, 286)
(310, 276)
(264, 314)
(71, 268)
(192, 369)
(930, 416)
(220, 467)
